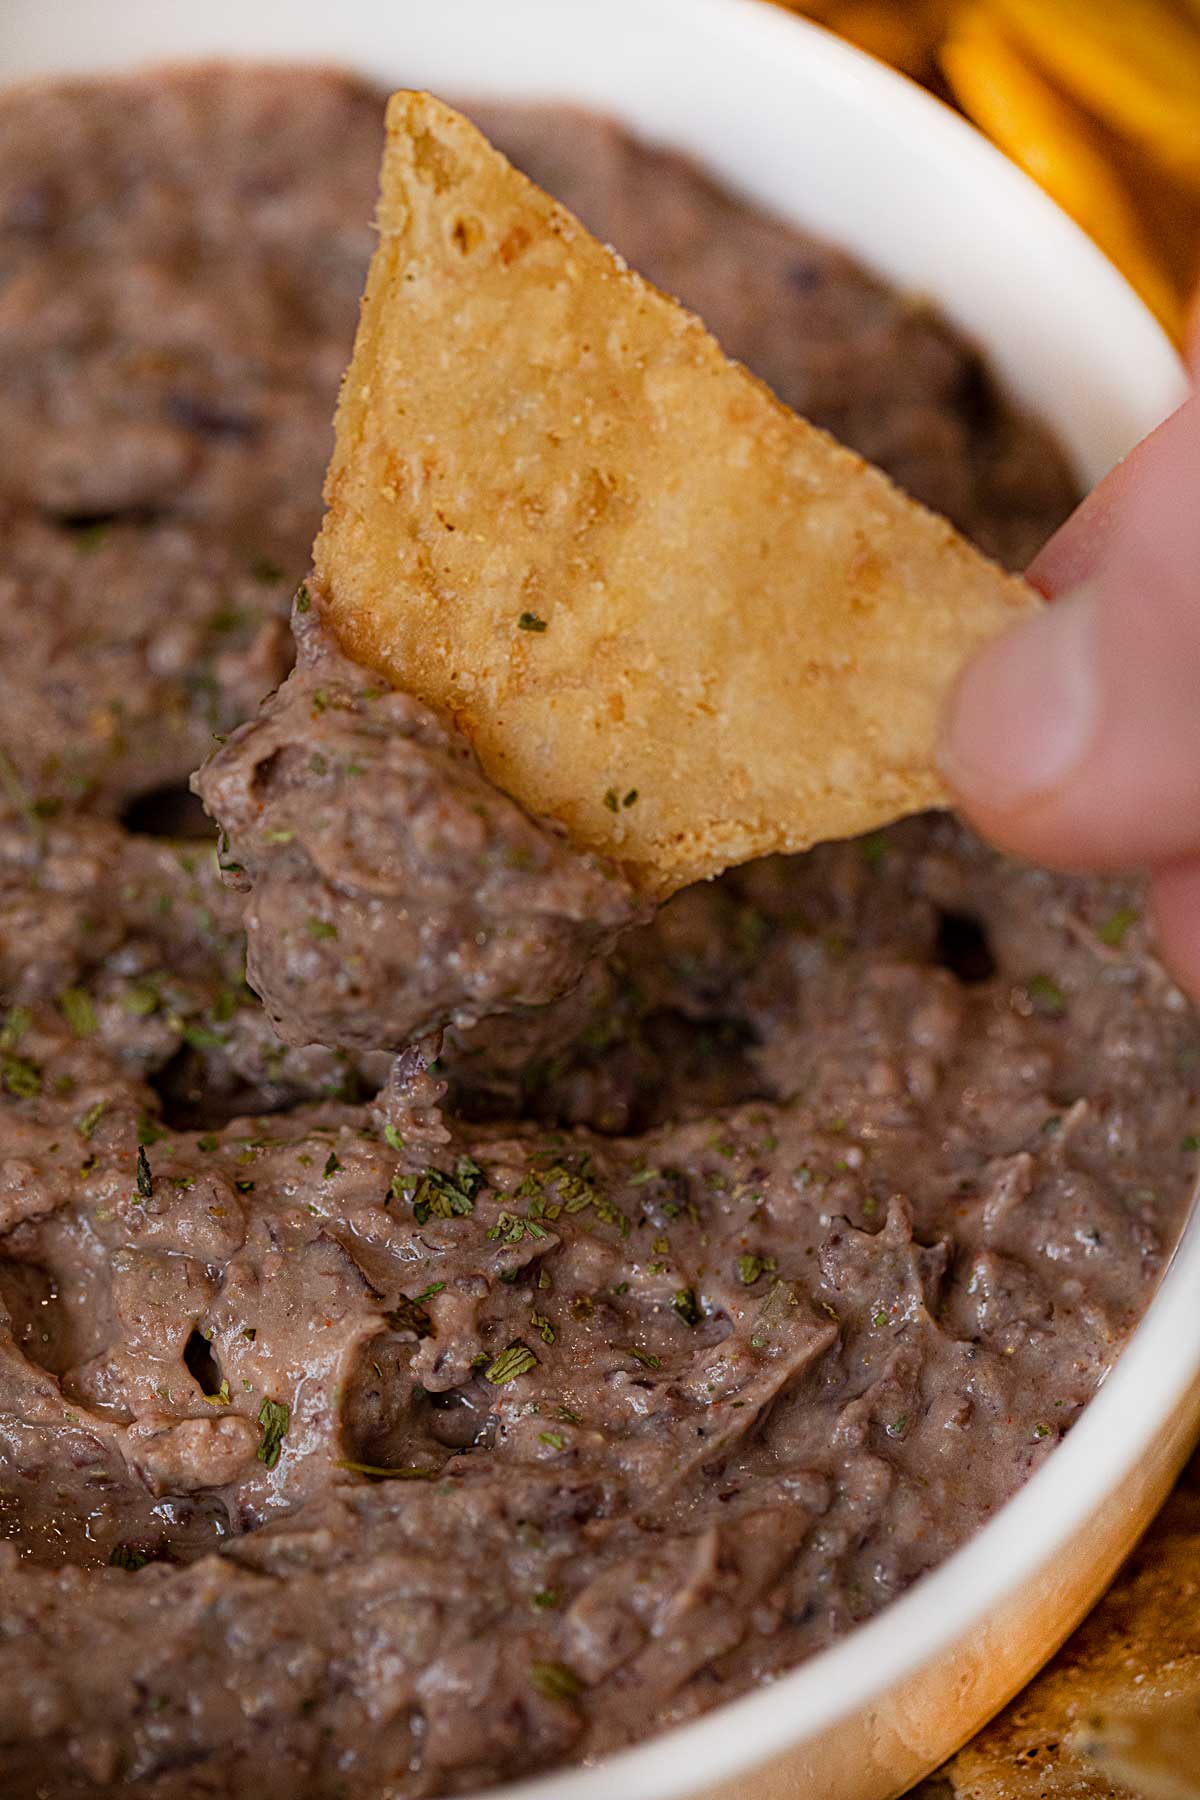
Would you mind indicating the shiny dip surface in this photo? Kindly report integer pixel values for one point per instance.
(538, 1322)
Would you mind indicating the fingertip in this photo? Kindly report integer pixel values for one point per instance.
(1175, 900)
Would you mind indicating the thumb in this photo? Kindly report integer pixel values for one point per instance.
(1074, 738)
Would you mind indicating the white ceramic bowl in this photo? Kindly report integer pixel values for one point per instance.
(822, 134)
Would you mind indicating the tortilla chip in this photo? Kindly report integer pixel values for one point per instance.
(1063, 150)
(1118, 1710)
(663, 609)
(1155, 1750)
(1135, 64)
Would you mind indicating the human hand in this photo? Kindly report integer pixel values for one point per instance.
(1074, 739)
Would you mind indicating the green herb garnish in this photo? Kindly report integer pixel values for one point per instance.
(78, 1011)
(17, 1021)
(1113, 930)
(1047, 996)
(88, 1122)
(125, 1557)
(319, 928)
(392, 1136)
(529, 621)
(556, 1681)
(542, 1326)
(274, 1416)
(380, 1472)
(751, 1268)
(518, 1359)
(145, 1180)
(442, 1196)
(687, 1306)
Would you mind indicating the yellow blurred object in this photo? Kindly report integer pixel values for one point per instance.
(1155, 1751)
(1133, 63)
(906, 36)
(1098, 100)
(1058, 145)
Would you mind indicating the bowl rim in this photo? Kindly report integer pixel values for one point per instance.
(1160, 1364)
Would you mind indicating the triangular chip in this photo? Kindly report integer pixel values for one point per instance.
(664, 610)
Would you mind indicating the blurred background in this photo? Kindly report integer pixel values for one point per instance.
(1098, 100)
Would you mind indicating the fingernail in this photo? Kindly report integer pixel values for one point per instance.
(1022, 716)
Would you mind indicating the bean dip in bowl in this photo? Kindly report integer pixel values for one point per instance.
(726, 1377)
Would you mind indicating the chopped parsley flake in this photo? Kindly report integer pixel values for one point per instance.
(1041, 1431)
(381, 1472)
(1192, 1141)
(207, 1142)
(16, 1023)
(222, 1397)
(145, 1180)
(319, 928)
(529, 621)
(542, 1326)
(1113, 930)
(140, 1000)
(751, 1268)
(612, 800)
(555, 1439)
(897, 1427)
(441, 1196)
(546, 1598)
(332, 1166)
(392, 1136)
(644, 1357)
(630, 798)
(125, 1557)
(1047, 996)
(556, 1681)
(91, 1118)
(687, 1306)
(303, 598)
(410, 1314)
(274, 1416)
(78, 1011)
(518, 1359)
(20, 1077)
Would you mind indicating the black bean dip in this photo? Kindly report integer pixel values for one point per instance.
(540, 1321)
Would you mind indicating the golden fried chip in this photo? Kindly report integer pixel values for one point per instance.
(1056, 144)
(1154, 1750)
(1134, 63)
(663, 609)
(906, 36)
(1119, 1707)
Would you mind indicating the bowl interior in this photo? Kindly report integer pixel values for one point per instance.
(799, 121)
(821, 134)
